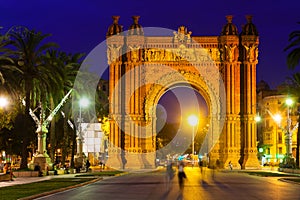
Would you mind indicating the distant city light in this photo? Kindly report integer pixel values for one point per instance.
(3, 102)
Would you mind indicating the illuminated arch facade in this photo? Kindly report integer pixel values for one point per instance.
(134, 59)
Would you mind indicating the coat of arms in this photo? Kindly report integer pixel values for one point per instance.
(182, 35)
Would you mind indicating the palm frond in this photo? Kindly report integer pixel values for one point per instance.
(293, 58)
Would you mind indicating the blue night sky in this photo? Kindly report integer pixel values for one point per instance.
(78, 26)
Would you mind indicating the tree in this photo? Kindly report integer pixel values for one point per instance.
(293, 57)
(32, 77)
(294, 89)
(293, 60)
(67, 66)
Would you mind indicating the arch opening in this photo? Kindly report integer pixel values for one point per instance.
(175, 137)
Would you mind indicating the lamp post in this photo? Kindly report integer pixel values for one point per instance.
(3, 104)
(277, 119)
(288, 102)
(84, 102)
(193, 120)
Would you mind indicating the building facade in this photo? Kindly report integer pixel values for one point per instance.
(273, 127)
(138, 77)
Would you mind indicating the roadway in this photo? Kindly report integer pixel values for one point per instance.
(208, 185)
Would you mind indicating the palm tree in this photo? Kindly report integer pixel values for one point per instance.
(293, 57)
(67, 66)
(33, 77)
(71, 67)
(293, 60)
(293, 87)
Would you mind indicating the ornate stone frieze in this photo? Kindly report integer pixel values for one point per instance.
(113, 53)
(229, 52)
(134, 53)
(135, 40)
(251, 52)
(182, 53)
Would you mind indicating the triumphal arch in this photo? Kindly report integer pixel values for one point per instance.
(142, 67)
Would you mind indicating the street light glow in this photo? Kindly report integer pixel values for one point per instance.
(193, 120)
(257, 118)
(3, 102)
(277, 118)
(289, 102)
(84, 102)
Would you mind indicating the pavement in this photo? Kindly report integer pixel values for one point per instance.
(25, 180)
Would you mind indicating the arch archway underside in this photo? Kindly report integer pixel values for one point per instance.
(211, 94)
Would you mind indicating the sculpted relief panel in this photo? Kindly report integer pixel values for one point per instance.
(182, 53)
(251, 52)
(113, 53)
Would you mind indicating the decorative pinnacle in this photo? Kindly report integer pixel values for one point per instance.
(136, 19)
(229, 18)
(116, 19)
(249, 18)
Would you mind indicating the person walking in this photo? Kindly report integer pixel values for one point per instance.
(181, 175)
(169, 175)
(230, 165)
(87, 165)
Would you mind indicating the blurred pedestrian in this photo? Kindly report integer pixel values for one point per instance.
(6, 168)
(87, 165)
(230, 165)
(181, 175)
(169, 174)
(201, 165)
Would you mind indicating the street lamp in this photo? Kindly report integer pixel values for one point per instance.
(193, 120)
(288, 102)
(3, 104)
(257, 118)
(84, 102)
(277, 119)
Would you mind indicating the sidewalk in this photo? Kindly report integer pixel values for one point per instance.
(25, 180)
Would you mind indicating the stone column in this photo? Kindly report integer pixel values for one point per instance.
(248, 78)
(138, 140)
(230, 143)
(115, 60)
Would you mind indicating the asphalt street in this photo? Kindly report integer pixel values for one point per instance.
(208, 185)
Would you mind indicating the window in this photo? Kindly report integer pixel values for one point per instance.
(279, 138)
(280, 150)
(268, 136)
(267, 123)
